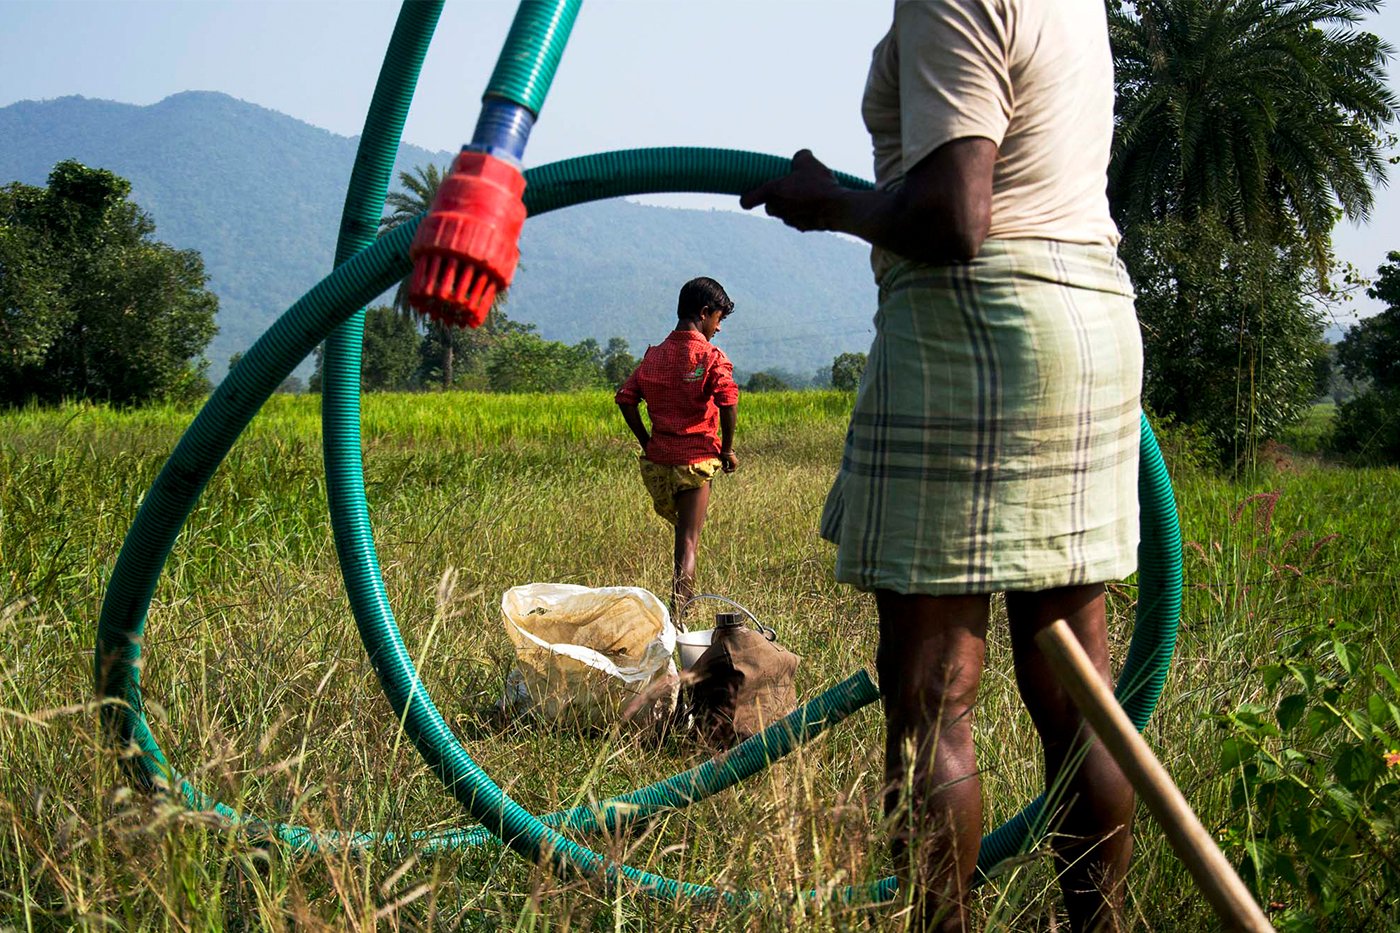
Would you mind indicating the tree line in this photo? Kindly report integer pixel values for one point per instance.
(500, 356)
(402, 354)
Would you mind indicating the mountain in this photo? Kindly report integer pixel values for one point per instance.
(259, 195)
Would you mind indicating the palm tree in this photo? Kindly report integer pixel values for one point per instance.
(1268, 114)
(419, 188)
(415, 197)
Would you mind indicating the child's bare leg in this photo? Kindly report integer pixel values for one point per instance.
(1094, 839)
(691, 506)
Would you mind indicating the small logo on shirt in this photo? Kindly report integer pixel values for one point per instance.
(697, 375)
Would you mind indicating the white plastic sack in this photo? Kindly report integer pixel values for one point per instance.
(585, 653)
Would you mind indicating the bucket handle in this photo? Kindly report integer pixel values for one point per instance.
(767, 632)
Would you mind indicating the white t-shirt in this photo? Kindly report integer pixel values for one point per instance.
(1033, 76)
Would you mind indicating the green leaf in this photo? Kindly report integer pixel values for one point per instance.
(1299, 818)
(1344, 655)
(1254, 718)
(1233, 753)
(1263, 855)
(1377, 707)
(1356, 767)
(1319, 721)
(1305, 674)
(1294, 920)
(1360, 721)
(1272, 674)
(1291, 709)
(1345, 801)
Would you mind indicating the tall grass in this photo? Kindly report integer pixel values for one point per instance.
(260, 690)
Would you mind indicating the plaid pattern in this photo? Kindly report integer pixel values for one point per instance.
(682, 379)
(994, 441)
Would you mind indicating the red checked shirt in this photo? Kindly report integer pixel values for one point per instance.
(683, 380)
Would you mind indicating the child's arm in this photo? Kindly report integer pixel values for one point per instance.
(633, 416)
(725, 392)
(628, 397)
(728, 415)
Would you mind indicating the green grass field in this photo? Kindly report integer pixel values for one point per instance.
(258, 687)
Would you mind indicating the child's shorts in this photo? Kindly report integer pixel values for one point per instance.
(664, 480)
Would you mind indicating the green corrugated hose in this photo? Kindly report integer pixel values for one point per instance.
(334, 301)
(368, 274)
(523, 78)
(525, 69)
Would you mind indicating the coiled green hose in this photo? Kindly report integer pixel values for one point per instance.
(522, 78)
(292, 336)
(336, 299)
(719, 773)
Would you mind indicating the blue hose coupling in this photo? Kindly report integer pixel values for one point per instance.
(502, 129)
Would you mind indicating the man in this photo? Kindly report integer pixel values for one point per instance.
(993, 446)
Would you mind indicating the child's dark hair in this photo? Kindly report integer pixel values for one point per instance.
(699, 294)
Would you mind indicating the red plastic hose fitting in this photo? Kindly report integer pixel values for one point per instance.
(467, 246)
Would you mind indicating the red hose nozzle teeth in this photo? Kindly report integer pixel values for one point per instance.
(467, 246)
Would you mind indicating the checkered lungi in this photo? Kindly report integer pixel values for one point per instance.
(994, 441)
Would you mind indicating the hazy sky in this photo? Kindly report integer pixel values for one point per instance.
(768, 75)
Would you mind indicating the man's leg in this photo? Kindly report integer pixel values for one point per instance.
(691, 506)
(930, 663)
(1093, 838)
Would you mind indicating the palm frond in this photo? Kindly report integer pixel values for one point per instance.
(1267, 114)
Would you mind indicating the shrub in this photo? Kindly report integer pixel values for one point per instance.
(1314, 777)
(766, 382)
(1312, 764)
(846, 371)
(1368, 426)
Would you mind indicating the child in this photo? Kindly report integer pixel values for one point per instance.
(688, 385)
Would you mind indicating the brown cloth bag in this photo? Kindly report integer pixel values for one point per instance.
(742, 684)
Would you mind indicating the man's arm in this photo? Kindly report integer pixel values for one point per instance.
(728, 416)
(632, 414)
(940, 214)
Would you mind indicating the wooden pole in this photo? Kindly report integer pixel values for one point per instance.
(1193, 845)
